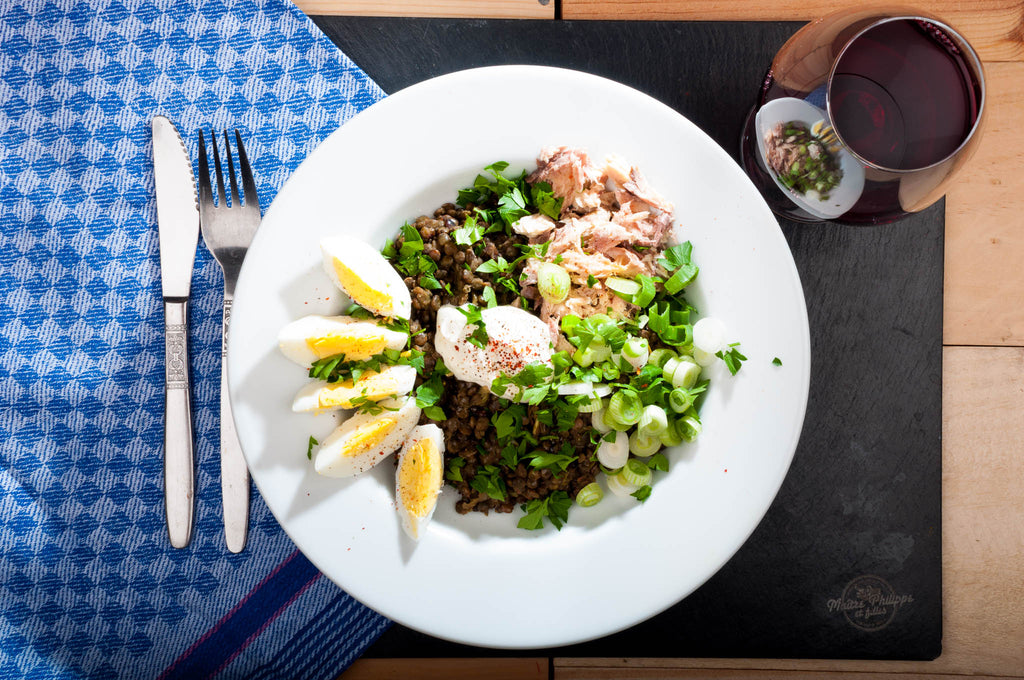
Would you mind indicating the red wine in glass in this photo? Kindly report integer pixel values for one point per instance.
(900, 98)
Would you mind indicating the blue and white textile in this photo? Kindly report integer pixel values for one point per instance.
(89, 585)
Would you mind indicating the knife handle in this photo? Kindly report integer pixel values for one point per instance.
(179, 463)
(234, 473)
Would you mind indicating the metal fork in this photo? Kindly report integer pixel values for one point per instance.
(227, 231)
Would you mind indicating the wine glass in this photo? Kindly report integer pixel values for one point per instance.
(863, 117)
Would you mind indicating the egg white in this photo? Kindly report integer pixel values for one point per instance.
(363, 274)
(515, 338)
(364, 440)
(391, 381)
(315, 337)
(419, 478)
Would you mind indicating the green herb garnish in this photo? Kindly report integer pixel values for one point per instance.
(555, 508)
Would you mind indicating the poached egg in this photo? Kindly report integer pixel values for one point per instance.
(515, 338)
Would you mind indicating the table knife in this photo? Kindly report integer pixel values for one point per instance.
(177, 209)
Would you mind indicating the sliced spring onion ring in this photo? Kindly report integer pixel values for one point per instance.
(624, 286)
(703, 358)
(635, 352)
(653, 421)
(625, 407)
(597, 421)
(659, 356)
(636, 473)
(553, 282)
(618, 487)
(709, 335)
(679, 400)
(643, 445)
(635, 347)
(685, 374)
(671, 435)
(614, 454)
(613, 424)
(592, 404)
(690, 428)
(590, 495)
(584, 387)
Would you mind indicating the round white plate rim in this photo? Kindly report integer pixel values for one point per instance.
(499, 637)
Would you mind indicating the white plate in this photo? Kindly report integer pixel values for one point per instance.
(477, 579)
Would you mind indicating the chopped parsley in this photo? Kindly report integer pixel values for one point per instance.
(455, 466)
(309, 447)
(677, 260)
(776, 361)
(469, 233)
(479, 335)
(488, 481)
(335, 369)
(430, 391)
(732, 358)
(643, 493)
(555, 508)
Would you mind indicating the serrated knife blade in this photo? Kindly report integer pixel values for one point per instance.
(177, 209)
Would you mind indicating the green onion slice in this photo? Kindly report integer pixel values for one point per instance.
(679, 400)
(625, 407)
(659, 356)
(626, 287)
(636, 473)
(589, 495)
(553, 282)
(685, 374)
(643, 445)
(653, 420)
(690, 428)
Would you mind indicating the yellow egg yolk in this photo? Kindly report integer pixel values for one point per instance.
(361, 292)
(368, 436)
(373, 386)
(355, 347)
(419, 477)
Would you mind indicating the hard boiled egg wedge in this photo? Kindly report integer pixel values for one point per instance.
(364, 440)
(391, 381)
(419, 478)
(366, 277)
(315, 337)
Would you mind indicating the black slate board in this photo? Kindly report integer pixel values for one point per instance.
(846, 564)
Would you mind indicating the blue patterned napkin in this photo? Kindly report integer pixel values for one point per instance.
(89, 585)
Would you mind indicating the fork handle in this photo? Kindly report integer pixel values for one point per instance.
(179, 464)
(234, 474)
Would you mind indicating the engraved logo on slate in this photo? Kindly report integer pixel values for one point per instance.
(869, 603)
(177, 369)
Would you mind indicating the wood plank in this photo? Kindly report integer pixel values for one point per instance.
(480, 9)
(994, 27)
(983, 540)
(592, 673)
(984, 284)
(447, 669)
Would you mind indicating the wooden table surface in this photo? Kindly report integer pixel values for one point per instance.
(983, 365)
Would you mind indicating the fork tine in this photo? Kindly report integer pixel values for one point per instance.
(220, 175)
(205, 193)
(248, 183)
(235, 202)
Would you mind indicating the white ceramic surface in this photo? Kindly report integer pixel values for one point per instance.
(477, 579)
